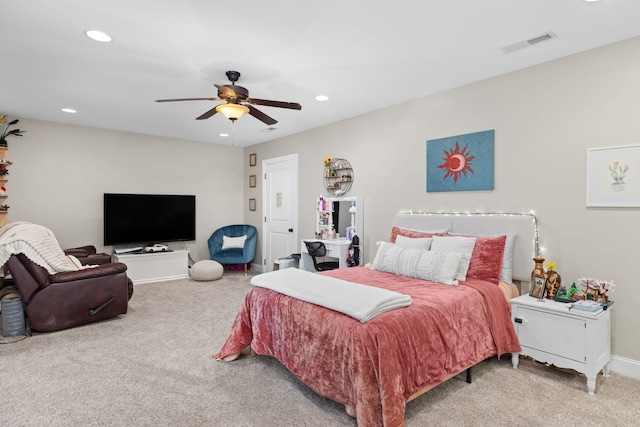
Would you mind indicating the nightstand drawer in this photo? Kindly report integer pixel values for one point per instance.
(554, 334)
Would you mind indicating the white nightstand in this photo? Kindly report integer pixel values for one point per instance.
(552, 333)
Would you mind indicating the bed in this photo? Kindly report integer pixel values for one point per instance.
(375, 367)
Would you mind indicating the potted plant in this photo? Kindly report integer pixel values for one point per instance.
(5, 132)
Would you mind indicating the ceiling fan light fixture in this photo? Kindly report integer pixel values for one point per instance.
(232, 111)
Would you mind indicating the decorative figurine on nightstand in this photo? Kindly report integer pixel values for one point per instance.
(553, 281)
(538, 279)
(596, 289)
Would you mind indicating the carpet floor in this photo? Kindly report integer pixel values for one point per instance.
(153, 367)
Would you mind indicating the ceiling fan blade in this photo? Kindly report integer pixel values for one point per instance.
(188, 99)
(261, 116)
(207, 114)
(279, 104)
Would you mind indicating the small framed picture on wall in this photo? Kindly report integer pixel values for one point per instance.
(252, 181)
(252, 159)
(252, 204)
(612, 177)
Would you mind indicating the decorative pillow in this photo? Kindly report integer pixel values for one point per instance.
(509, 290)
(460, 244)
(417, 263)
(397, 231)
(506, 273)
(414, 242)
(233, 242)
(486, 260)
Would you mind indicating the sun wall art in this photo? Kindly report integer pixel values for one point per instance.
(461, 162)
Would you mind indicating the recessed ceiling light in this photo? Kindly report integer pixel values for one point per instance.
(322, 98)
(69, 110)
(98, 36)
(224, 135)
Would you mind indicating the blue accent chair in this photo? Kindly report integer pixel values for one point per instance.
(234, 255)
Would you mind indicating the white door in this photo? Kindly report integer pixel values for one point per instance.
(280, 208)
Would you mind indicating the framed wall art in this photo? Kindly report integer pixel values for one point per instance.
(252, 181)
(252, 204)
(461, 162)
(613, 176)
(252, 159)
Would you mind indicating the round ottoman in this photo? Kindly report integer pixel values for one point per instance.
(206, 270)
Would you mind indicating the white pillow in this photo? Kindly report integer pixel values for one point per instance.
(417, 263)
(458, 244)
(414, 242)
(506, 274)
(233, 242)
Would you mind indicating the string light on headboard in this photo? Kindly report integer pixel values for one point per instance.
(531, 214)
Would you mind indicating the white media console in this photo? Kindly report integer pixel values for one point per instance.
(155, 267)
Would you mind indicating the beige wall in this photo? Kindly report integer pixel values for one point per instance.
(60, 173)
(545, 118)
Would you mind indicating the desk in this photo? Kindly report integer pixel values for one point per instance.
(336, 249)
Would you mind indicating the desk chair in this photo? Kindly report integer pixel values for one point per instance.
(319, 250)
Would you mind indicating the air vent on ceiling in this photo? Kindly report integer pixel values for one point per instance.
(530, 42)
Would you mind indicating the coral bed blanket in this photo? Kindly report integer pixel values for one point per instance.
(374, 367)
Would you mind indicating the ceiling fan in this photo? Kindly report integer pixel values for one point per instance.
(238, 102)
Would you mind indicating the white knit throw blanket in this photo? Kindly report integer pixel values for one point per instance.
(37, 243)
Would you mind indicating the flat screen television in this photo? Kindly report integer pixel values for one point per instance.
(148, 218)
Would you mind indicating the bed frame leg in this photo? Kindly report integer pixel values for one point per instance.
(351, 411)
(469, 375)
(252, 352)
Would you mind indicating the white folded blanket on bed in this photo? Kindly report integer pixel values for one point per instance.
(361, 302)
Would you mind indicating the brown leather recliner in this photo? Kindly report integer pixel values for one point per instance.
(68, 299)
(88, 255)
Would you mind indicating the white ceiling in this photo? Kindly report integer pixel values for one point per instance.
(364, 54)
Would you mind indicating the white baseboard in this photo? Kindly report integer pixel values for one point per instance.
(258, 268)
(626, 367)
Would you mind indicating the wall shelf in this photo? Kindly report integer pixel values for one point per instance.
(338, 177)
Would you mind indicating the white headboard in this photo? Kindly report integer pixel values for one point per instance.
(524, 225)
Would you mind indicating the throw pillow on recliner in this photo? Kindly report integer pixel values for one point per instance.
(233, 242)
